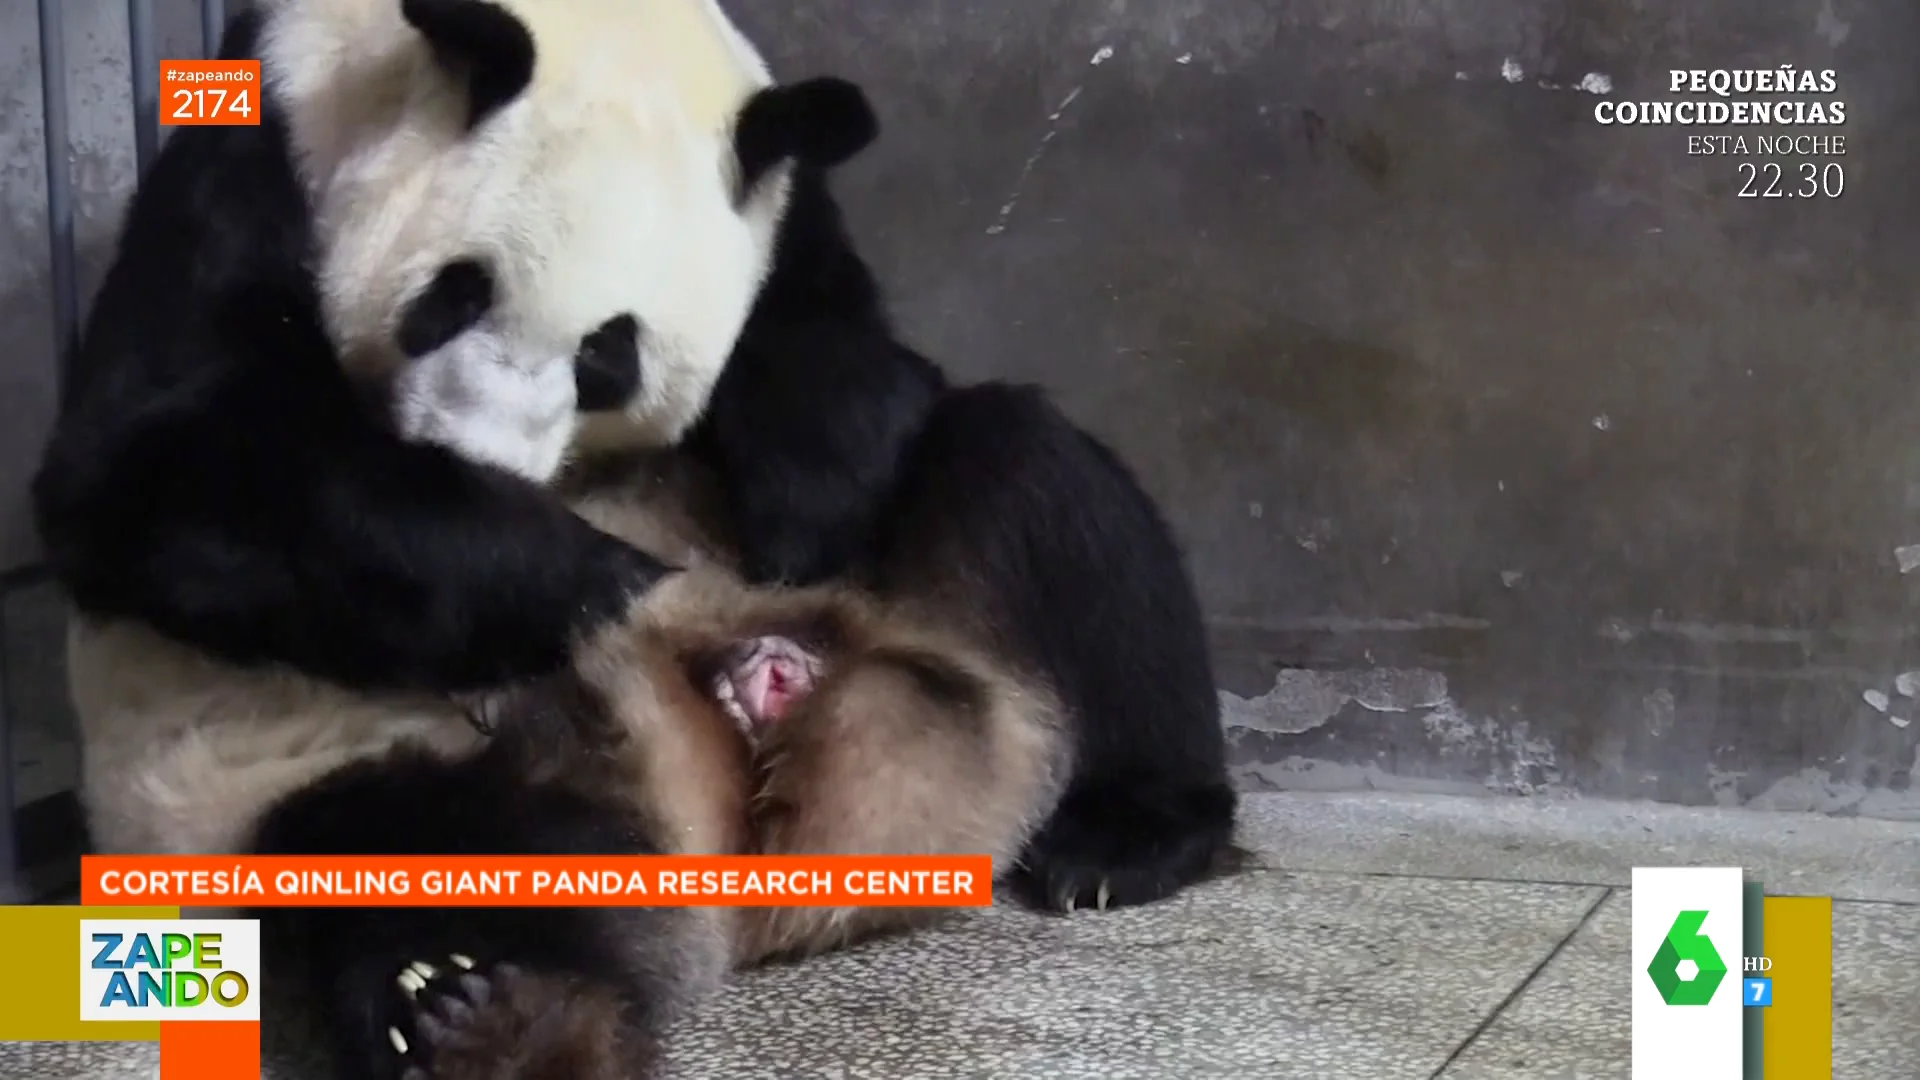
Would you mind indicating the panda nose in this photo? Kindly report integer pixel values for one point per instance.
(606, 368)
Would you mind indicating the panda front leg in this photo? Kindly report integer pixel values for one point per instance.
(458, 1018)
(402, 1005)
(439, 992)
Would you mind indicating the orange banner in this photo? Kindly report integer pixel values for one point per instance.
(202, 93)
(539, 881)
(193, 1050)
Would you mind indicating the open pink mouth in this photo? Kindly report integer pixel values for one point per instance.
(769, 676)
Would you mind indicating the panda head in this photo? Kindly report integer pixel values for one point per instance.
(507, 192)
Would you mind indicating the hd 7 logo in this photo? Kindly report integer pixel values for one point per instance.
(1687, 969)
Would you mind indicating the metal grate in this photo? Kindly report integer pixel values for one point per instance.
(144, 66)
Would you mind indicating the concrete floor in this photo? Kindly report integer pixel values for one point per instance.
(1391, 936)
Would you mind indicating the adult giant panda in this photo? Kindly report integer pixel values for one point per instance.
(214, 479)
(228, 512)
(212, 475)
(343, 481)
(842, 454)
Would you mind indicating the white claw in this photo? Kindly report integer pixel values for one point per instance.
(425, 970)
(463, 962)
(1069, 903)
(398, 1040)
(410, 983)
(1100, 901)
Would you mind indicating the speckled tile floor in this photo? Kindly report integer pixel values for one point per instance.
(1393, 937)
(1275, 974)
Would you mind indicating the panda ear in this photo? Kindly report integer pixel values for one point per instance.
(820, 122)
(480, 42)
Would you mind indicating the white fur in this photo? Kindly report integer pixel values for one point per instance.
(183, 753)
(606, 188)
(490, 404)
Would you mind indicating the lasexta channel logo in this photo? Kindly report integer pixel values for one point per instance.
(1687, 969)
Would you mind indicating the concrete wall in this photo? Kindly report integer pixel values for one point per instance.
(101, 165)
(1514, 452)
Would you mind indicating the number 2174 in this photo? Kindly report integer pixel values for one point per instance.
(208, 105)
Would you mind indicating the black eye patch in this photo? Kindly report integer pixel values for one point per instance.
(460, 295)
(606, 369)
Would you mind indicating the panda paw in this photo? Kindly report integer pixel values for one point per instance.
(1115, 847)
(443, 1011)
(461, 1020)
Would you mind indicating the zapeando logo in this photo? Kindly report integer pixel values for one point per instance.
(1685, 944)
(169, 969)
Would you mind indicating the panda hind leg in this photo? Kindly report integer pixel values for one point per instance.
(902, 744)
(873, 732)
(459, 1019)
(1093, 593)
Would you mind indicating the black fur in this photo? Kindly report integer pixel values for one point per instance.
(483, 42)
(418, 803)
(815, 416)
(459, 295)
(842, 452)
(212, 473)
(606, 369)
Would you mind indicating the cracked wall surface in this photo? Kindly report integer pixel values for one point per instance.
(1514, 452)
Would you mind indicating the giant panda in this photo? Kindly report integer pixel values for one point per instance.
(841, 453)
(211, 473)
(229, 502)
(218, 476)
(836, 444)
